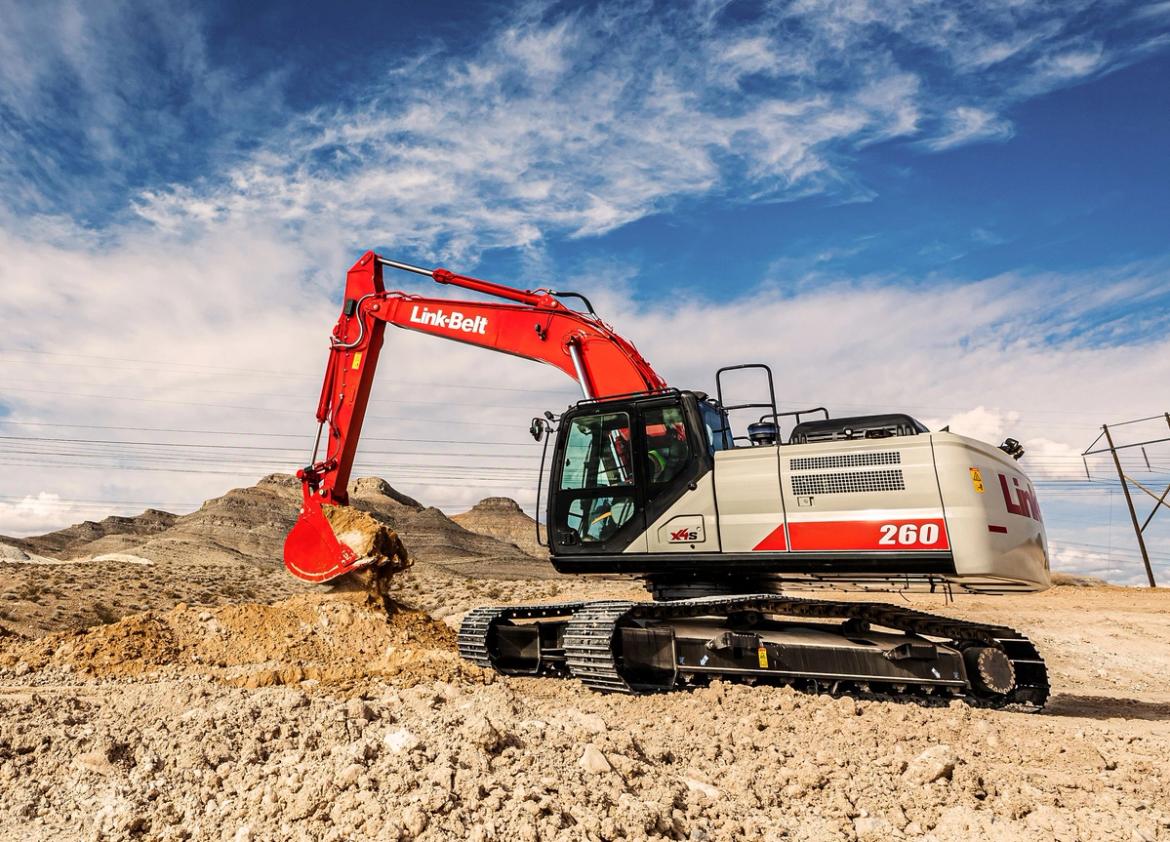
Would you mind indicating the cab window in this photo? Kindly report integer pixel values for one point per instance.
(667, 450)
(597, 452)
(715, 424)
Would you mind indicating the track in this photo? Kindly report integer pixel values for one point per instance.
(590, 645)
(478, 630)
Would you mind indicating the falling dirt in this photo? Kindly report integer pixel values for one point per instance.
(379, 548)
(367, 536)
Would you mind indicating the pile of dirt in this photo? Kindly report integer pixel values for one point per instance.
(503, 519)
(325, 639)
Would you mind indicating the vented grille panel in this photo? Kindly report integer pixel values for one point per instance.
(845, 460)
(848, 483)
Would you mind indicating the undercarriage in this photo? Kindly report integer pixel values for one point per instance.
(818, 645)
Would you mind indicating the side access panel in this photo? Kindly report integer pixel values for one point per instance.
(689, 525)
(870, 496)
(747, 494)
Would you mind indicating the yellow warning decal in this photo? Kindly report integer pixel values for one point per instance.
(357, 361)
(977, 480)
(763, 656)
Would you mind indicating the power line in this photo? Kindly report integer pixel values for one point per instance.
(114, 459)
(252, 447)
(306, 398)
(157, 366)
(459, 483)
(302, 436)
(57, 498)
(256, 408)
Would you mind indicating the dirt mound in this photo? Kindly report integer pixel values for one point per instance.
(503, 519)
(330, 639)
(542, 759)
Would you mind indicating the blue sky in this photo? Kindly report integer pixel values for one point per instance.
(957, 208)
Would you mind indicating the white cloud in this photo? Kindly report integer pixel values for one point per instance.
(33, 514)
(981, 423)
(211, 309)
(1074, 64)
(965, 124)
(580, 123)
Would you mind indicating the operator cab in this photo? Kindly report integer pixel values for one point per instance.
(620, 463)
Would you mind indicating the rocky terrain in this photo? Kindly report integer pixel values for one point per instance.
(228, 550)
(293, 712)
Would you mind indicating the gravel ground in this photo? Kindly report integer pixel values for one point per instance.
(319, 718)
(297, 713)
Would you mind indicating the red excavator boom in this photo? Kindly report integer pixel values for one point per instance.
(534, 324)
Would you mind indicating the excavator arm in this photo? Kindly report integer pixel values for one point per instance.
(534, 324)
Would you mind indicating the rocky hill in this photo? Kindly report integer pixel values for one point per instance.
(230, 548)
(503, 519)
(94, 537)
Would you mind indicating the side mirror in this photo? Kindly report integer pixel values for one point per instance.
(537, 428)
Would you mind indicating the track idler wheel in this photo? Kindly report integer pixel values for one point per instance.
(990, 670)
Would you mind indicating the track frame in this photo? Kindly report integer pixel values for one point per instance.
(620, 646)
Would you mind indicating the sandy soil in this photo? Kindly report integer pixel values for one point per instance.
(316, 716)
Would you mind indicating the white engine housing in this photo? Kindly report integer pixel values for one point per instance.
(913, 512)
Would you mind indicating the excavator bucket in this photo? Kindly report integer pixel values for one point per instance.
(328, 542)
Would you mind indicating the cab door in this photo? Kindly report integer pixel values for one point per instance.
(675, 454)
(596, 503)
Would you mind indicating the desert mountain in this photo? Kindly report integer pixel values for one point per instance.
(112, 534)
(230, 548)
(503, 519)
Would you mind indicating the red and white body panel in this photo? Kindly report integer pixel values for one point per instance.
(960, 503)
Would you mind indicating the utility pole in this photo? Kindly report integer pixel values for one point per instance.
(1129, 502)
(1139, 529)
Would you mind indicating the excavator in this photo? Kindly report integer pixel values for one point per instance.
(653, 482)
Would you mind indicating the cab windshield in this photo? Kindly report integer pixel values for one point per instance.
(597, 477)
